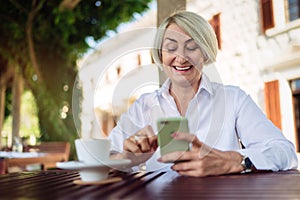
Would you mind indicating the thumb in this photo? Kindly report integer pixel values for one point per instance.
(187, 137)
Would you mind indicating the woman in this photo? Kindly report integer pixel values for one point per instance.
(220, 117)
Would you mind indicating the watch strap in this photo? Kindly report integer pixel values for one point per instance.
(247, 164)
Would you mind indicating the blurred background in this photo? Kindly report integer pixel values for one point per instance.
(62, 61)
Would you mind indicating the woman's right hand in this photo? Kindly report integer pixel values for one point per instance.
(140, 146)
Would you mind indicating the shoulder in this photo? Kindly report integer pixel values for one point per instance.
(229, 93)
(146, 99)
(219, 88)
(150, 96)
(228, 89)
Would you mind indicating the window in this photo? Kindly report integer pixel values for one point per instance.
(293, 9)
(215, 23)
(267, 14)
(295, 85)
(277, 15)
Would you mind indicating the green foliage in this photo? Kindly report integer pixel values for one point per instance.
(29, 120)
(59, 37)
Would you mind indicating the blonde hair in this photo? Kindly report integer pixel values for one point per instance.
(194, 25)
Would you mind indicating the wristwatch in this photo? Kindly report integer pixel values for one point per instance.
(247, 164)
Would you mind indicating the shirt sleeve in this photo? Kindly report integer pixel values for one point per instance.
(129, 123)
(264, 143)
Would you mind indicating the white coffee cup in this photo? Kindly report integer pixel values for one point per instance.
(94, 153)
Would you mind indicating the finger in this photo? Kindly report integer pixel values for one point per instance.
(178, 156)
(197, 145)
(191, 168)
(152, 138)
(147, 139)
(131, 146)
(144, 145)
(141, 142)
(197, 169)
(187, 165)
(187, 137)
(147, 131)
(193, 173)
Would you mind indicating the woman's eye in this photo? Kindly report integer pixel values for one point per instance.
(171, 47)
(191, 48)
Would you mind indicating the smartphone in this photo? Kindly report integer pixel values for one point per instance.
(167, 126)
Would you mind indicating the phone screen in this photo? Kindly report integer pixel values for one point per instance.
(167, 126)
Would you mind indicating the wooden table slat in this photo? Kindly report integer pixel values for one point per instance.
(151, 185)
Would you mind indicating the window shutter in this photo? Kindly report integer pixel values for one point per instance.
(272, 101)
(216, 24)
(267, 14)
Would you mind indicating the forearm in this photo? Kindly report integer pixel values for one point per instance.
(275, 156)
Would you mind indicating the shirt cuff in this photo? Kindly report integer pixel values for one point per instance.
(257, 158)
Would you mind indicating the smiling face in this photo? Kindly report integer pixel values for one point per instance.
(181, 57)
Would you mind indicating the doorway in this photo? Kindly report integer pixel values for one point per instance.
(295, 86)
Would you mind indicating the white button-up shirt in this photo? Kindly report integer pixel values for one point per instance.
(221, 116)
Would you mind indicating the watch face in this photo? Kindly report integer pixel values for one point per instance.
(248, 163)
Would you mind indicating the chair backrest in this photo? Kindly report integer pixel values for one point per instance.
(55, 152)
(54, 147)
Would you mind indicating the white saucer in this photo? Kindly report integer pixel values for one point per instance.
(76, 165)
(94, 172)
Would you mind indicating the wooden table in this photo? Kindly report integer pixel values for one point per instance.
(152, 185)
(22, 159)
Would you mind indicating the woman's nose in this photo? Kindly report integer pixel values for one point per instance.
(180, 59)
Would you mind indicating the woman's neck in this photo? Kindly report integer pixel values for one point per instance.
(183, 95)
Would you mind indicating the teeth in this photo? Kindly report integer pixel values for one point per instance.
(182, 68)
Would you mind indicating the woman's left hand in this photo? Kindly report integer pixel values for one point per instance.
(202, 160)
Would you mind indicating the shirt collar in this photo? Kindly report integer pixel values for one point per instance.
(164, 90)
(205, 85)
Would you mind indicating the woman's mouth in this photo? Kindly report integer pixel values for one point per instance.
(182, 68)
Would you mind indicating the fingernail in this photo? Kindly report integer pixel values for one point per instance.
(174, 134)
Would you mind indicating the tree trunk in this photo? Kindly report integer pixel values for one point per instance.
(68, 4)
(36, 6)
(2, 107)
(6, 74)
(164, 9)
(17, 91)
